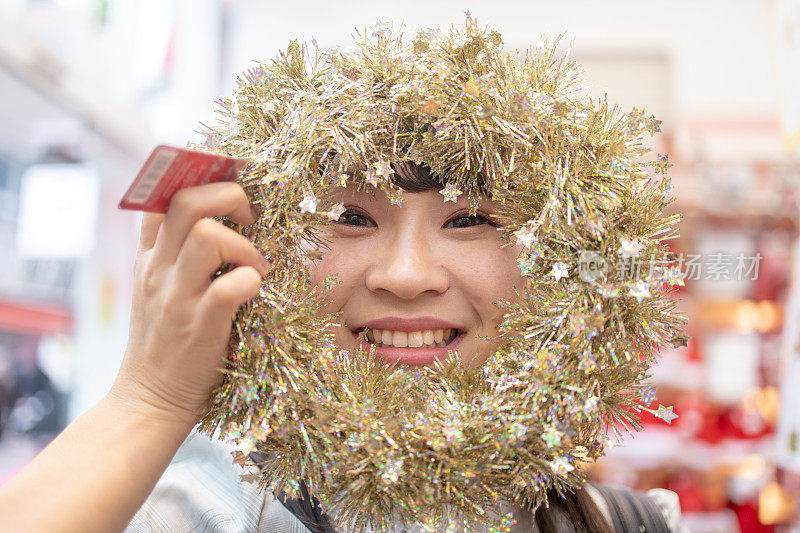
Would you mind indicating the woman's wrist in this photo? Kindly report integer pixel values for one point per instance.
(129, 401)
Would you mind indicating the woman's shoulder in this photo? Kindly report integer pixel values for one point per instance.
(202, 490)
(616, 500)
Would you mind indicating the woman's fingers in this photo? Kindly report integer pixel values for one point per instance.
(224, 199)
(151, 222)
(209, 244)
(226, 293)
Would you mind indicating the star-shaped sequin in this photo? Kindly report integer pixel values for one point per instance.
(384, 169)
(629, 247)
(661, 164)
(551, 437)
(250, 478)
(336, 211)
(450, 193)
(680, 340)
(673, 276)
(653, 125)
(308, 204)
(640, 290)
(665, 414)
(591, 404)
(560, 270)
(526, 236)
(561, 466)
(635, 118)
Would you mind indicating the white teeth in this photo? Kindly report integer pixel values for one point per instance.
(400, 339)
(415, 339)
(428, 338)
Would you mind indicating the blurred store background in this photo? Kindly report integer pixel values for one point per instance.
(89, 87)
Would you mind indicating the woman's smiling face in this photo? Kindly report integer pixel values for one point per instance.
(417, 280)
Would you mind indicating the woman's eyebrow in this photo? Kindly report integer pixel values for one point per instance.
(348, 195)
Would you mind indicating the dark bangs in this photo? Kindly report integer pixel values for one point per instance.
(412, 177)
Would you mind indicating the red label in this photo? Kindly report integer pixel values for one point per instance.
(169, 169)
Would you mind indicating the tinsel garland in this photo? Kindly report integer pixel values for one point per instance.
(445, 445)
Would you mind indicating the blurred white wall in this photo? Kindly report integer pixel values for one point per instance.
(722, 50)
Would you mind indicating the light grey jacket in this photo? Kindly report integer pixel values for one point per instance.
(201, 491)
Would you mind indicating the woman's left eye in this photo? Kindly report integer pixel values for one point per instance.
(464, 221)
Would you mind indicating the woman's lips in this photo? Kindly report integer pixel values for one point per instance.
(410, 356)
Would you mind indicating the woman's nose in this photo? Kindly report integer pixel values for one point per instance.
(407, 266)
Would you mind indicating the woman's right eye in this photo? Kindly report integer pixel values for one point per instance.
(354, 218)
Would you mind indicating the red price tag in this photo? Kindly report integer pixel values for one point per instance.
(169, 169)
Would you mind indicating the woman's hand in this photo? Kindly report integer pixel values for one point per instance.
(180, 318)
(112, 455)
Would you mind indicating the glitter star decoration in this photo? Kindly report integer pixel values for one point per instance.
(591, 404)
(672, 276)
(384, 169)
(308, 204)
(239, 458)
(526, 236)
(665, 414)
(640, 290)
(629, 247)
(560, 270)
(561, 466)
(653, 125)
(680, 340)
(336, 211)
(661, 164)
(450, 193)
(552, 437)
(635, 118)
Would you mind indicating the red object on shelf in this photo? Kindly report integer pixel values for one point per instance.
(35, 318)
(747, 514)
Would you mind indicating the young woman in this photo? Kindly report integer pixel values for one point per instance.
(415, 281)
(427, 267)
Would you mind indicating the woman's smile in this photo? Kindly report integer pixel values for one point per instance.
(413, 342)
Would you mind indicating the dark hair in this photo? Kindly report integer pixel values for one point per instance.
(416, 178)
(577, 508)
(413, 177)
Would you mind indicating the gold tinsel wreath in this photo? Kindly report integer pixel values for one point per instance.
(376, 444)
